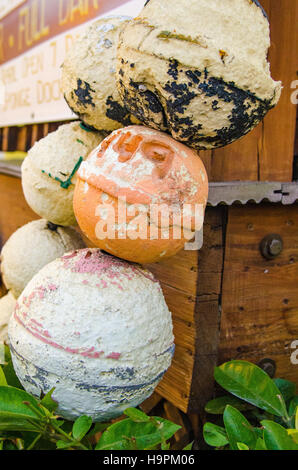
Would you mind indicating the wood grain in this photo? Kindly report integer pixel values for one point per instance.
(191, 283)
(207, 311)
(260, 297)
(14, 211)
(277, 146)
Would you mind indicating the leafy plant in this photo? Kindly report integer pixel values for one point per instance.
(27, 423)
(260, 413)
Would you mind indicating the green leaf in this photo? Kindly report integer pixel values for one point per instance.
(81, 426)
(294, 434)
(2, 378)
(293, 406)
(9, 445)
(250, 383)
(276, 437)
(137, 415)
(165, 446)
(189, 446)
(98, 427)
(48, 402)
(218, 405)
(29, 438)
(260, 445)
(286, 388)
(296, 419)
(64, 445)
(7, 354)
(241, 446)
(127, 434)
(238, 428)
(15, 414)
(214, 435)
(9, 371)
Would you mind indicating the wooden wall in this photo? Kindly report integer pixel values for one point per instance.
(259, 317)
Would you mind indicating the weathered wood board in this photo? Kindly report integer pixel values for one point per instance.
(260, 297)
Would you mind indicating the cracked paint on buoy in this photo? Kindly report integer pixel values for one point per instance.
(103, 345)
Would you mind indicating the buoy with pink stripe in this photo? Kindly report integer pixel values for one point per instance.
(95, 328)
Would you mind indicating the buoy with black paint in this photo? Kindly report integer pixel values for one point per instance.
(89, 76)
(198, 69)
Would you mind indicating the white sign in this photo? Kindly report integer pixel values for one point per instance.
(30, 90)
(6, 6)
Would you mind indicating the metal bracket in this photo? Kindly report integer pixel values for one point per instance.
(243, 192)
(289, 193)
(255, 191)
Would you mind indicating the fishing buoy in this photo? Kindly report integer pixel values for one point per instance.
(89, 76)
(198, 69)
(30, 248)
(49, 171)
(95, 328)
(141, 195)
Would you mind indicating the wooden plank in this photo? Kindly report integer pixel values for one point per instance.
(45, 129)
(22, 139)
(260, 297)
(185, 267)
(151, 402)
(207, 156)
(34, 135)
(176, 385)
(173, 414)
(207, 311)
(5, 137)
(3, 289)
(238, 161)
(14, 211)
(195, 317)
(277, 149)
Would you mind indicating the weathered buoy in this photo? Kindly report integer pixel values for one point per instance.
(7, 306)
(89, 76)
(49, 171)
(97, 329)
(30, 248)
(198, 69)
(141, 195)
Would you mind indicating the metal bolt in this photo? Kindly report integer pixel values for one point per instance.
(271, 246)
(268, 366)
